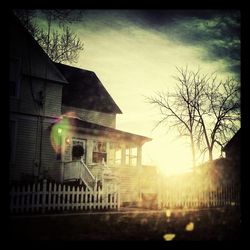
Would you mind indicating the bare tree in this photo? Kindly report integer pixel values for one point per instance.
(205, 110)
(61, 47)
(218, 113)
(177, 109)
(58, 41)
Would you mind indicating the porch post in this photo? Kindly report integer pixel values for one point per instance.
(159, 193)
(89, 151)
(123, 160)
(62, 172)
(139, 155)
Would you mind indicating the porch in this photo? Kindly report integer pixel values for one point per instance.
(93, 176)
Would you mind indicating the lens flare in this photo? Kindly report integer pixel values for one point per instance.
(61, 131)
(168, 237)
(190, 226)
(168, 213)
(144, 221)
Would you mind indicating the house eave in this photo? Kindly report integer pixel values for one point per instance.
(107, 132)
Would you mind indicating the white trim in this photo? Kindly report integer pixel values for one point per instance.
(99, 152)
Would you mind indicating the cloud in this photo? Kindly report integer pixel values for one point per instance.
(217, 32)
(219, 36)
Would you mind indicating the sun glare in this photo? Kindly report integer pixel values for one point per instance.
(170, 157)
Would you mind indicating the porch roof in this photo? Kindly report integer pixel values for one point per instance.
(99, 130)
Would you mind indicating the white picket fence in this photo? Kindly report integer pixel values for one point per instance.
(220, 196)
(48, 197)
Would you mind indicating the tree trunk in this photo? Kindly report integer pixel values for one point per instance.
(193, 150)
(48, 35)
(210, 152)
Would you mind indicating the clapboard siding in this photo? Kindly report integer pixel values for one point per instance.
(26, 103)
(48, 153)
(55, 171)
(96, 170)
(28, 148)
(129, 182)
(53, 100)
(25, 149)
(34, 61)
(100, 118)
(35, 73)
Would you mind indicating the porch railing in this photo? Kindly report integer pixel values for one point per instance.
(79, 170)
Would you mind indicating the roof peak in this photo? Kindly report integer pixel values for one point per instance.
(73, 67)
(86, 90)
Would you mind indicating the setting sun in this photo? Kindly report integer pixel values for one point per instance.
(172, 157)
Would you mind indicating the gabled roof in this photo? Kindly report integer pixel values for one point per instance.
(34, 61)
(86, 91)
(234, 142)
(98, 130)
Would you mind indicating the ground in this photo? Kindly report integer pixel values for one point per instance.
(213, 224)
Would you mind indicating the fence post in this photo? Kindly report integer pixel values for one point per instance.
(44, 187)
(159, 195)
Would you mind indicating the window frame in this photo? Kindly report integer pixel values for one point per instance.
(129, 156)
(114, 159)
(98, 150)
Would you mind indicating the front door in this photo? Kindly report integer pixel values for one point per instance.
(78, 149)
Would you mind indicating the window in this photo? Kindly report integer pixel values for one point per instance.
(12, 140)
(131, 156)
(115, 154)
(118, 156)
(99, 152)
(14, 76)
(127, 156)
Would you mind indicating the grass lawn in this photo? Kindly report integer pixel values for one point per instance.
(215, 224)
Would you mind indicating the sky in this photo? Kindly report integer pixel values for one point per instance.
(135, 54)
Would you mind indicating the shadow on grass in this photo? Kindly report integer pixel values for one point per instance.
(214, 224)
